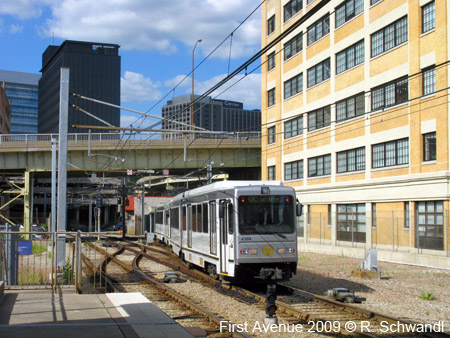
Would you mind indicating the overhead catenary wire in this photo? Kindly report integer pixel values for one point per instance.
(211, 53)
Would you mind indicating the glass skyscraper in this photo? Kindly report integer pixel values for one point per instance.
(22, 91)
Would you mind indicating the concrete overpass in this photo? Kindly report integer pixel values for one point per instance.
(25, 160)
(119, 152)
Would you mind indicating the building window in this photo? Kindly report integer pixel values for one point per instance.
(390, 94)
(428, 17)
(271, 61)
(351, 107)
(293, 127)
(429, 147)
(429, 80)
(271, 135)
(293, 86)
(309, 1)
(292, 8)
(319, 118)
(351, 222)
(351, 160)
(430, 225)
(390, 153)
(293, 170)
(271, 97)
(389, 37)
(271, 173)
(348, 10)
(329, 215)
(319, 73)
(406, 209)
(350, 57)
(309, 215)
(319, 29)
(374, 215)
(293, 46)
(373, 2)
(319, 166)
(271, 25)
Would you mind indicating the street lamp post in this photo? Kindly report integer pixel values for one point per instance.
(192, 101)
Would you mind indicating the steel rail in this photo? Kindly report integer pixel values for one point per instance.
(367, 314)
(179, 297)
(166, 290)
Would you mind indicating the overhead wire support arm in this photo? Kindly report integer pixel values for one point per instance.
(91, 115)
(132, 110)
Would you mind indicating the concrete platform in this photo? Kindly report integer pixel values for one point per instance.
(40, 313)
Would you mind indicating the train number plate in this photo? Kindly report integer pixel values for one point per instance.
(246, 238)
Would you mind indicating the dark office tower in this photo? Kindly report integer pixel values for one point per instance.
(94, 72)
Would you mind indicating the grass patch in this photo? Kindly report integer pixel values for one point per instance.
(304, 258)
(341, 255)
(427, 296)
(32, 279)
(38, 249)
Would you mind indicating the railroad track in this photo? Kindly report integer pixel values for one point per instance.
(315, 313)
(323, 315)
(129, 277)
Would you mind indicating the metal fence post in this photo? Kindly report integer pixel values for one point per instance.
(78, 263)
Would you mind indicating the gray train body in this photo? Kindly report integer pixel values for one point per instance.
(241, 230)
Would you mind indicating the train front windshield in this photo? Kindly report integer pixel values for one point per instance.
(266, 214)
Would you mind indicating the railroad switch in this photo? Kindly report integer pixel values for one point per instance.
(171, 277)
(342, 295)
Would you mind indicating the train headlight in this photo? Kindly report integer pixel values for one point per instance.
(286, 250)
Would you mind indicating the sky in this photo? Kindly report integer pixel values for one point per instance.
(156, 40)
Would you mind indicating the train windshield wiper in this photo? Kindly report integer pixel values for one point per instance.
(282, 236)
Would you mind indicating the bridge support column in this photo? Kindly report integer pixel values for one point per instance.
(27, 203)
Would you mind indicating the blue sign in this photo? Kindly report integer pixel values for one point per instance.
(25, 247)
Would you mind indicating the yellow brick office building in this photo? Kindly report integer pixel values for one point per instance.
(355, 117)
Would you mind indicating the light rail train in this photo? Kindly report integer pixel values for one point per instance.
(240, 230)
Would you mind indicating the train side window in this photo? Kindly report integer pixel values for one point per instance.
(205, 218)
(194, 218)
(199, 218)
(230, 219)
(184, 218)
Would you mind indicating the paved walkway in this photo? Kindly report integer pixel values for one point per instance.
(40, 313)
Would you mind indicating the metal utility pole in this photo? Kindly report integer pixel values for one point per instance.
(143, 208)
(62, 166)
(53, 198)
(124, 228)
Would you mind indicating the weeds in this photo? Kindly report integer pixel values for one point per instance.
(37, 249)
(67, 272)
(427, 296)
(341, 255)
(304, 258)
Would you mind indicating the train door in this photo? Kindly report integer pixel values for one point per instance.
(182, 224)
(189, 227)
(212, 228)
(223, 236)
(226, 228)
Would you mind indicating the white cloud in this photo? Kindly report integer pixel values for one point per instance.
(136, 87)
(159, 25)
(22, 9)
(14, 29)
(248, 90)
(179, 80)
